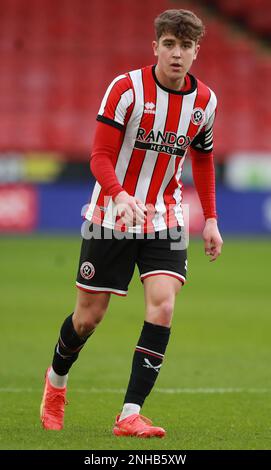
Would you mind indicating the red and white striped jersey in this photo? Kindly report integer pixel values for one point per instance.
(158, 126)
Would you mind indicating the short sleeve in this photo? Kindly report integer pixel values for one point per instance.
(203, 142)
(117, 100)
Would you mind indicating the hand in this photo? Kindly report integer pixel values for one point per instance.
(131, 210)
(212, 239)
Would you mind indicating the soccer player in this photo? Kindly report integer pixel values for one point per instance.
(147, 121)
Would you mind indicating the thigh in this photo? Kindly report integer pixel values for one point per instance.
(106, 263)
(165, 254)
(161, 288)
(87, 303)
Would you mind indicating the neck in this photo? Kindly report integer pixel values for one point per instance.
(167, 82)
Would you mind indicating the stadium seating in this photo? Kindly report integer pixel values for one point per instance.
(255, 15)
(56, 59)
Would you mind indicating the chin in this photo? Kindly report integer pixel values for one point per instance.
(176, 75)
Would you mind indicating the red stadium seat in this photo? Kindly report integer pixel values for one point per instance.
(57, 58)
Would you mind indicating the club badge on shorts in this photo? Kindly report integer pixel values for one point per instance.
(87, 270)
(197, 116)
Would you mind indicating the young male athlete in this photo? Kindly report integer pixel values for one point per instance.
(147, 121)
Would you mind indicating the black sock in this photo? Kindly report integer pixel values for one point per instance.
(147, 361)
(67, 348)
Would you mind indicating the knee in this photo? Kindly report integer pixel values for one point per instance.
(88, 314)
(161, 314)
(85, 325)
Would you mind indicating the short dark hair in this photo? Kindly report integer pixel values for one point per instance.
(180, 23)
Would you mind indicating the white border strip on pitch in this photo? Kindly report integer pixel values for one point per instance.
(171, 391)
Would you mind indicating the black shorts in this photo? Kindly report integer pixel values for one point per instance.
(107, 261)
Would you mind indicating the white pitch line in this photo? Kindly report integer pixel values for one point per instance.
(170, 391)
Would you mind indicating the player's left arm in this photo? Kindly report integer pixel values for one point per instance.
(212, 239)
(203, 170)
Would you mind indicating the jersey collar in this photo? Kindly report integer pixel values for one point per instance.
(175, 92)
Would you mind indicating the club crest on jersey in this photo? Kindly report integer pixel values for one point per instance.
(87, 270)
(149, 108)
(198, 116)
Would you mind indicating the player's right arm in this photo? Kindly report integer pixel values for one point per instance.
(116, 107)
(105, 146)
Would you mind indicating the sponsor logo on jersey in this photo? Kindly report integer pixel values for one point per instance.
(87, 270)
(167, 142)
(198, 116)
(149, 108)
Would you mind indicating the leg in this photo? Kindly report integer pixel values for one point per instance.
(105, 267)
(76, 329)
(160, 293)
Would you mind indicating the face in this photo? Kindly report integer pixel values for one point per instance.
(175, 56)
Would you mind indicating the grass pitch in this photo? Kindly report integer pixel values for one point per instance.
(214, 390)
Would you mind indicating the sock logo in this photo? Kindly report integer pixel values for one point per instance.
(149, 365)
(59, 353)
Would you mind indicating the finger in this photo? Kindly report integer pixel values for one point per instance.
(143, 212)
(122, 209)
(141, 205)
(208, 247)
(126, 220)
(139, 211)
(139, 215)
(215, 254)
(127, 215)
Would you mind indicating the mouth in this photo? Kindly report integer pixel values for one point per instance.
(176, 66)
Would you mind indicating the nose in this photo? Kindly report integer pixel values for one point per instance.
(177, 52)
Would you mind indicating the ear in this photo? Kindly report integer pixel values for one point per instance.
(155, 47)
(197, 48)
